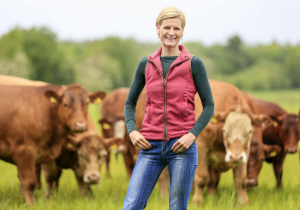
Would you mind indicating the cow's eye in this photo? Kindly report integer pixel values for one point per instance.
(225, 133)
(81, 155)
(66, 105)
(248, 133)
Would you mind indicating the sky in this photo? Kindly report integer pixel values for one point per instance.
(207, 21)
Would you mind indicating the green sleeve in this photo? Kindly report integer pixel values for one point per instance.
(203, 88)
(135, 91)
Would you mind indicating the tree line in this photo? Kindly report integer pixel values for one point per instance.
(109, 63)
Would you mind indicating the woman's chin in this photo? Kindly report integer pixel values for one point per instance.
(170, 44)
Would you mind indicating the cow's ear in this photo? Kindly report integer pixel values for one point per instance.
(111, 141)
(271, 150)
(52, 96)
(218, 117)
(72, 143)
(105, 125)
(97, 97)
(261, 121)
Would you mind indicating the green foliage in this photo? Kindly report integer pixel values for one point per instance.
(110, 63)
(292, 66)
(34, 54)
(234, 58)
(47, 61)
(271, 76)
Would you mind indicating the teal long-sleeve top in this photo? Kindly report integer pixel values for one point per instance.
(201, 83)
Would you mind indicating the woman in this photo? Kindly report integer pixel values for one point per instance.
(172, 77)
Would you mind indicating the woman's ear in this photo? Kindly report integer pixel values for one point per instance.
(157, 29)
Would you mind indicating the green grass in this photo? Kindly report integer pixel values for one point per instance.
(110, 193)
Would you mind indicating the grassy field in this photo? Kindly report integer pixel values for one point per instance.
(110, 193)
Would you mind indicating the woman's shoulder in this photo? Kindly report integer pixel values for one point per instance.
(197, 65)
(143, 61)
(196, 60)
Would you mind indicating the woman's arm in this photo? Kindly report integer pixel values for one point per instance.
(202, 86)
(135, 91)
(204, 91)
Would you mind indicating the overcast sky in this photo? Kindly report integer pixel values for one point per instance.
(208, 21)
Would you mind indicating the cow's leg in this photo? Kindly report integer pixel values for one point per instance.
(24, 159)
(38, 169)
(277, 166)
(240, 175)
(129, 163)
(58, 174)
(202, 175)
(164, 183)
(214, 177)
(107, 160)
(83, 188)
(50, 174)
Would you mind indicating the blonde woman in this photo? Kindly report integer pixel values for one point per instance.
(172, 77)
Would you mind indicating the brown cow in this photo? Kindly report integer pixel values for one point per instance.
(113, 124)
(84, 154)
(283, 133)
(34, 122)
(11, 80)
(226, 143)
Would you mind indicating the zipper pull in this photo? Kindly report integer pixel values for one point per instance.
(165, 82)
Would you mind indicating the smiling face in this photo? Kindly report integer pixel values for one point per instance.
(170, 31)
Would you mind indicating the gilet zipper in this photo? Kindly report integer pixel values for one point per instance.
(164, 81)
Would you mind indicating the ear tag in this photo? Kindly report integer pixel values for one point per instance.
(113, 147)
(214, 120)
(53, 100)
(70, 145)
(272, 154)
(106, 126)
(275, 124)
(97, 100)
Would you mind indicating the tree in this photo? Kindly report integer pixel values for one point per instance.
(40, 45)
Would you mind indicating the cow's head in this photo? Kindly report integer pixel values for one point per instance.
(115, 128)
(237, 130)
(72, 105)
(258, 153)
(92, 150)
(288, 131)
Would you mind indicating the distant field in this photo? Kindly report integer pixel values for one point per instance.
(110, 193)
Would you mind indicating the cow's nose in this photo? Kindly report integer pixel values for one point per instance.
(94, 177)
(236, 157)
(291, 150)
(80, 125)
(252, 182)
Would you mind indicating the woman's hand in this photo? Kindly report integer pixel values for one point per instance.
(139, 140)
(183, 143)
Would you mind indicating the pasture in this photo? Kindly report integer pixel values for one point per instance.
(110, 193)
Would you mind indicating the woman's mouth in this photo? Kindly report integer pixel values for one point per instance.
(170, 39)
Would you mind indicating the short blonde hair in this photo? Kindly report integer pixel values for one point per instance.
(170, 12)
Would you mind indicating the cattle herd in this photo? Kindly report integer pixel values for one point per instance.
(47, 128)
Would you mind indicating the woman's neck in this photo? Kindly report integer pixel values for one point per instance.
(170, 51)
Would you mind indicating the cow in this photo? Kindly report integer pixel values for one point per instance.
(282, 137)
(34, 123)
(11, 80)
(225, 142)
(113, 124)
(84, 154)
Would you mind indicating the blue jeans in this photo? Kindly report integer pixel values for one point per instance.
(150, 163)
